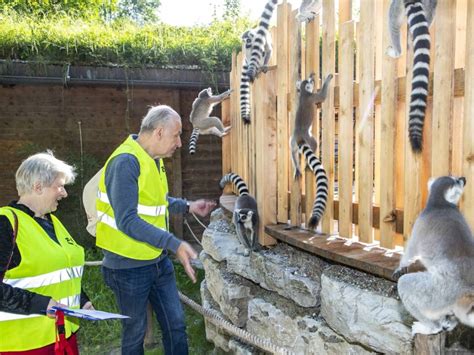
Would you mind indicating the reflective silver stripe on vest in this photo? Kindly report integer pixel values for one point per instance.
(72, 301)
(110, 221)
(4, 316)
(46, 279)
(141, 209)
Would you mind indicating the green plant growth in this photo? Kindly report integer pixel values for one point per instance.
(62, 38)
(103, 337)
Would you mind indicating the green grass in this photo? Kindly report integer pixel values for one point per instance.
(66, 39)
(102, 337)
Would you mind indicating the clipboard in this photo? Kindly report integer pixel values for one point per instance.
(89, 314)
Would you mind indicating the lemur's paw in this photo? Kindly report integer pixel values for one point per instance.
(392, 52)
(422, 328)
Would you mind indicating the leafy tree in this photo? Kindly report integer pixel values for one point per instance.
(231, 9)
(82, 8)
(140, 11)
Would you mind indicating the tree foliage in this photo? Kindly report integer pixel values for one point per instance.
(140, 11)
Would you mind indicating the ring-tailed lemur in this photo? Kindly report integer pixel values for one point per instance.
(258, 50)
(202, 123)
(442, 242)
(245, 215)
(319, 205)
(420, 14)
(305, 113)
(308, 10)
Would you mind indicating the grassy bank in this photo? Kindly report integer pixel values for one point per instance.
(104, 337)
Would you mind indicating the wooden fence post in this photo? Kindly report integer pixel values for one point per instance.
(328, 120)
(346, 127)
(365, 127)
(266, 153)
(387, 138)
(294, 35)
(282, 112)
(468, 151)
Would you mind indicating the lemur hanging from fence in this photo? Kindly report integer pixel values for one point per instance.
(258, 50)
(302, 141)
(308, 10)
(420, 14)
(245, 215)
(200, 119)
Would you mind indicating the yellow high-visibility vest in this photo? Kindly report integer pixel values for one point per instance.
(46, 268)
(152, 206)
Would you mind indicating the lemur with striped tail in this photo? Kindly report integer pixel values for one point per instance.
(200, 119)
(302, 141)
(319, 205)
(441, 241)
(258, 50)
(245, 216)
(420, 14)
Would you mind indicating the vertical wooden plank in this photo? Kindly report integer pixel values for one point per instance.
(226, 140)
(401, 134)
(458, 104)
(294, 33)
(468, 151)
(266, 149)
(234, 109)
(413, 165)
(443, 86)
(387, 142)
(380, 20)
(328, 121)
(346, 130)
(238, 128)
(366, 126)
(312, 66)
(282, 112)
(345, 14)
(461, 16)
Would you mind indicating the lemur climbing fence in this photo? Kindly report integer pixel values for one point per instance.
(377, 185)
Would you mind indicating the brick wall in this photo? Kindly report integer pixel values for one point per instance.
(36, 117)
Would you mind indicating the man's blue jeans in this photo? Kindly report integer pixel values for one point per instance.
(133, 288)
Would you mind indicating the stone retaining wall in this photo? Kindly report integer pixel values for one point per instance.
(301, 302)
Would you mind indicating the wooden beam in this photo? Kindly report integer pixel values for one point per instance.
(374, 261)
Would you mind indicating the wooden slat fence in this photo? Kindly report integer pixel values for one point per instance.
(377, 184)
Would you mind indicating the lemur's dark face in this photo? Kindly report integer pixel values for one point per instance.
(247, 38)
(306, 86)
(244, 215)
(449, 188)
(204, 94)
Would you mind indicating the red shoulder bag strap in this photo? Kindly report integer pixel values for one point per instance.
(61, 346)
(15, 232)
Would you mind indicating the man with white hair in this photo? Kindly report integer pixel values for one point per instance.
(133, 207)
